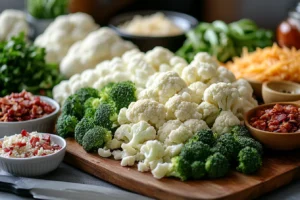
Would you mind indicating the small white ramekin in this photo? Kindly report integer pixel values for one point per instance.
(44, 124)
(35, 166)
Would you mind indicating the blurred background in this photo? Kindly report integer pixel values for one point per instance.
(266, 13)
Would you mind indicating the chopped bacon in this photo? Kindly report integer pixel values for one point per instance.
(280, 118)
(23, 106)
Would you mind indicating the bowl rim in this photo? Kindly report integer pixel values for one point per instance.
(112, 23)
(247, 116)
(39, 157)
(48, 100)
(266, 87)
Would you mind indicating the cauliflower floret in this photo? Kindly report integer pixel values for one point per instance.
(118, 154)
(114, 144)
(206, 58)
(195, 125)
(180, 107)
(147, 110)
(153, 152)
(172, 151)
(112, 77)
(122, 119)
(12, 23)
(61, 91)
(141, 132)
(225, 75)
(163, 86)
(199, 71)
(61, 34)
(198, 88)
(98, 46)
(222, 95)
(123, 133)
(128, 161)
(209, 112)
(178, 64)
(173, 132)
(105, 153)
(246, 99)
(140, 70)
(158, 56)
(161, 170)
(224, 121)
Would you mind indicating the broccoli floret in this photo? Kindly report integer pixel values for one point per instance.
(92, 103)
(250, 142)
(73, 106)
(85, 93)
(181, 168)
(122, 93)
(106, 116)
(228, 146)
(216, 166)
(89, 114)
(95, 138)
(81, 128)
(206, 136)
(240, 130)
(198, 170)
(90, 107)
(195, 151)
(249, 160)
(66, 125)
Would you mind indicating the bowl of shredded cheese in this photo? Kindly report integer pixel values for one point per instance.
(148, 29)
(31, 154)
(268, 64)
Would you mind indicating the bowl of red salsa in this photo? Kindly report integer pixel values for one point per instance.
(24, 110)
(276, 125)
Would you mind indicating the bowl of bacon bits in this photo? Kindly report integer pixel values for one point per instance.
(23, 110)
(31, 154)
(276, 125)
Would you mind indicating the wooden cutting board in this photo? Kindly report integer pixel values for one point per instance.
(278, 169)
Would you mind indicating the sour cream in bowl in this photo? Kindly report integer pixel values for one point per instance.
(31, 154)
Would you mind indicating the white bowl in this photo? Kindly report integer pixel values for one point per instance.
(35, 166)
(44, 124)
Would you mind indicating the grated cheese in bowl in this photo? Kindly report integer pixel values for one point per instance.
(26, 145)
(152, 25)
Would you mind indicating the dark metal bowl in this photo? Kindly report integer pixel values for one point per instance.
(145, 43)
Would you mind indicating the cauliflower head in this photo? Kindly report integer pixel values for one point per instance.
(61, 34)
(12, 23)
(100, 45)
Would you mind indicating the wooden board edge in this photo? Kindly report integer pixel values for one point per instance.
(79, 163)
(249, 193)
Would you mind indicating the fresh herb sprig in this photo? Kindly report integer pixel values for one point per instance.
(23, 66)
